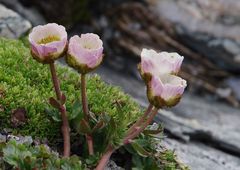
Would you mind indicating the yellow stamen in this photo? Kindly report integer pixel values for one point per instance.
(49, 39)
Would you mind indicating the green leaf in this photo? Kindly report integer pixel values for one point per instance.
(140, 150)
(84, 127)
(27, 157)
(152, 132)
(54, 114)
(77, 112)
(98, 126)
(15, 154)
(156, 132)
(92, 160)
(71, 163)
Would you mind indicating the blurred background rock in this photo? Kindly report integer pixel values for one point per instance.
(204, 128)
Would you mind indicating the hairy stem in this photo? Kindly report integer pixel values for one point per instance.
(62, 109)
(140, 121)
(84, 96)
(89, 137)
(105, 158)
(141, 129)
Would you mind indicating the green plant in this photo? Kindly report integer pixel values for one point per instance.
(148, 154)
(111, 120)
(26, 157)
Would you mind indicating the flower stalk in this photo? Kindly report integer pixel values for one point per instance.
(84, 96)
(150, 113)
(89, 137)
(62, 109)
(131, 136)
(105, 158)
(140, 121)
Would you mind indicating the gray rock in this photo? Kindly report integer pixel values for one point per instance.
(66, 13)
(12, 25)
(21, 139)
(201, 157)
(234, 84)
(210, 121)
(30, 13)
(112, 166)
(206, 26)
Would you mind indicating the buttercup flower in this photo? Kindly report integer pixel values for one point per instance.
(48, 42)
(165, 90)
(85, 53)
(153, 63)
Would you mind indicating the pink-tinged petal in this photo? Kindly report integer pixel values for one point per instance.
(173, 86)
(43, 50)
(48, 41)
(147, 61)
(42, 31)
(156, 86)
(160, 63)
(91, 41)
(147, 66)
(85, 50)
(166, 90)
(174, 60)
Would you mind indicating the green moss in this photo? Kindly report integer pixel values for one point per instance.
(27, 83)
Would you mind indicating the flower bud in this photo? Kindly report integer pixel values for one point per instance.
(48, 42)
(85, 53)
(153, 63)
(165, 90)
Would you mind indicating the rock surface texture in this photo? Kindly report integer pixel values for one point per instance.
(12, 25)
(210, 27)
(201, 157)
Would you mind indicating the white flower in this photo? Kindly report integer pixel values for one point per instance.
(48, 42)
(85, 53)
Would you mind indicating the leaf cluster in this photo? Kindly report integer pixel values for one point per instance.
(26, 157)
(147, 153)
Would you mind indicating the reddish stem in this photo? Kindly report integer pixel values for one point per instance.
(140, 121)
(140, 130)
(65, 125)
(105, 158)
(84, 96)
(89, 137)
(90, 144)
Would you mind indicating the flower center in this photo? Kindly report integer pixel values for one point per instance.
(49, 39)
(87, 46)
